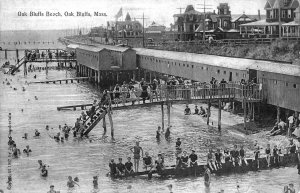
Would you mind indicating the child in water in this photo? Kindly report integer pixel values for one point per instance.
(71, 183)
(95, 182)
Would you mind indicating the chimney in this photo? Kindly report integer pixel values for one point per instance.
(259, 18)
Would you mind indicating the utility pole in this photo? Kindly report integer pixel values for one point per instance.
(143, 18)
(180, 8)
(279, 20)
(205, 7)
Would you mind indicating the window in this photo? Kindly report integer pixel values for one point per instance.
(183, 64)
(237, 74)
(192, 66)
(289, 13)
(179, 64)
(224, 72)
(206, 68)
(202, 68)
(275, 81)
(286, 84)
(295, 85)
(218, 71)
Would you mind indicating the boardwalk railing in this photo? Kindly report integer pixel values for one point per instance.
(194, 92)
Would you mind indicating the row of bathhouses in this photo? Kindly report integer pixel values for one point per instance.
(113, 64)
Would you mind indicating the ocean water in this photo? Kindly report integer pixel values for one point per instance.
(89, 157)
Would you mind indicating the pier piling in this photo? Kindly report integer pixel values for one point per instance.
(245, 112)
(162, 117)
(104, 125)
(219, 115)
(111, 122)
(208, 112)
(5, 54)
(169, 113)
(278, 114)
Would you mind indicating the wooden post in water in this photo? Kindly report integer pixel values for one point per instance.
(5, 54)
(208, 108)
(46, 67)
(111, 122)
(162, 116)
(253, 111)
(104, 125)
(98, 77)
(95, 77)
(245, 112)
(150, 77)
(17, 55)
(134, 75)
(25, 68)
(219, 115)
(278, 114)
(169, 113)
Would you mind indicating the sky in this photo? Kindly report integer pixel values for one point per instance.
(160, 11)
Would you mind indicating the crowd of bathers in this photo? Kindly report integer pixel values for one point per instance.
(291, 127)
(215, 159)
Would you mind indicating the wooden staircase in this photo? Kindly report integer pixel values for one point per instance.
(18, 65)
(97, 117)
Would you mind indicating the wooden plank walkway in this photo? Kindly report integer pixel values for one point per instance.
(78, 79)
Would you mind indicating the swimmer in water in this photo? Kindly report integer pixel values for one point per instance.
(47, 127)
(44, 171)
(71, 183)
(207, 176)
(40, 164)
(95, 182)
(25, 136)
(167, 134)
(158, 132)
(52, 190)
(178, 144)
(170, 187)
(57, 137)
(27, 150)
(36, 133)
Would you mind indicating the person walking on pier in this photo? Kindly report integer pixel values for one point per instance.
(144, 94)
(136, 150)
(124, 91)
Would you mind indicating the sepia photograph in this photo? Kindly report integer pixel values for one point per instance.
(150, 96)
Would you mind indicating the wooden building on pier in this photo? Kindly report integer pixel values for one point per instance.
(115, 63)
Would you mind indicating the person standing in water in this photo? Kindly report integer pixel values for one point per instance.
(136, 150)
(71, 183)
(207, 176)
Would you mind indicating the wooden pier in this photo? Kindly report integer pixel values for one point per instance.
(66, 80)
(192, 94)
